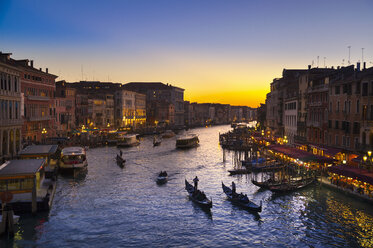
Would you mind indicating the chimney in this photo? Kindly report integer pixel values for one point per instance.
(46, 70)
(39, 69)
(364, 65)
(309, 67)
(32, 63)
(358, 66)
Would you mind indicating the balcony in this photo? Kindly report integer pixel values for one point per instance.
(39, 118)
(314, 104)
(38, 98)
(313, 124)
(13, 122)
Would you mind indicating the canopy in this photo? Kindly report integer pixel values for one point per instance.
(353, 172)
(299, 154)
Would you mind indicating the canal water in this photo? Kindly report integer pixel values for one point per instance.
(113, 207)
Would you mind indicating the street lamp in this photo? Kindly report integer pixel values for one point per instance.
(43, 134)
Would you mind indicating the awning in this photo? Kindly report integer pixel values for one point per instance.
(328, 150)
(299, 154)
(353, 172)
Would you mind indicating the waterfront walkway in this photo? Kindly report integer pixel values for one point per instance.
(325, 181)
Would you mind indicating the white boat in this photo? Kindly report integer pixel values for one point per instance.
(73, 158)
(187, 141)
(128, 140)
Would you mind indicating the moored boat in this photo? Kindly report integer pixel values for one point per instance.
(128, 141)
(187, 141)
(292, 185)
(197, 196)
(73, 158)
(239, 171)
(265, 184)
(162, 177)
(241, 200)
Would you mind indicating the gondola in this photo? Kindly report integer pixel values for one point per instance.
(120, 161)
(245, 203)
(265, 184)
(205, 203)
(292, 186)
(162, 178)
(239, 171)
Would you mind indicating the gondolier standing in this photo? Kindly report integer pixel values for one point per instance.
(233, 189)
(195, 180)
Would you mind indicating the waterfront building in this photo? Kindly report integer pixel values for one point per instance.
(274, 107)
(10, 107)
(236, 114)
(65, 108)
(188, 114)
(100, 110)
(164, 93)
(317, 108)
(363, 106)
(130, 109)
(38, 88)
(161, 113)
(95, 103)
(222, 113)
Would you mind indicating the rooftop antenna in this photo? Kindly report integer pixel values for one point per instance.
(343, 62)
(312, 63)
(362, 55)
(324, 61)
(349, 55)
(318, 61)
(81, 69)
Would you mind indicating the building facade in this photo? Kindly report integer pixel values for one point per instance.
(38, 88)
(10, 108)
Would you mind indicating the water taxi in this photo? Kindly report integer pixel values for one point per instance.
(73, 158)
(128, 141)
(187, 141)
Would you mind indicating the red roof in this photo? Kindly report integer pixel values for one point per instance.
(353, 172)
(299, 154)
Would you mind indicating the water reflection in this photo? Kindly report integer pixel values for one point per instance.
(110, 206)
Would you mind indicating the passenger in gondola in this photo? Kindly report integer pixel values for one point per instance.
(165, 173)
(203, 195)
(195, 180)
(120, 153)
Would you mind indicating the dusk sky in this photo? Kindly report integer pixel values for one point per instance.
(218, 51)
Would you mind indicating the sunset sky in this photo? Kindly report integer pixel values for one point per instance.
(218, 51)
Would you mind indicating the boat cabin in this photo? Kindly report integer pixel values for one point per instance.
(50, 153)
(25, 181)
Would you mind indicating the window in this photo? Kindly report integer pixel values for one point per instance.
(356, 128)
(357, 90)
(330, 124)
(357, 106)
(345, 89)
(337, 90)
(337, 107)
(336, 140)
(336, 126)
(365, 89)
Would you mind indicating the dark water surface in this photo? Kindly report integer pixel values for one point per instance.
(114, 207)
